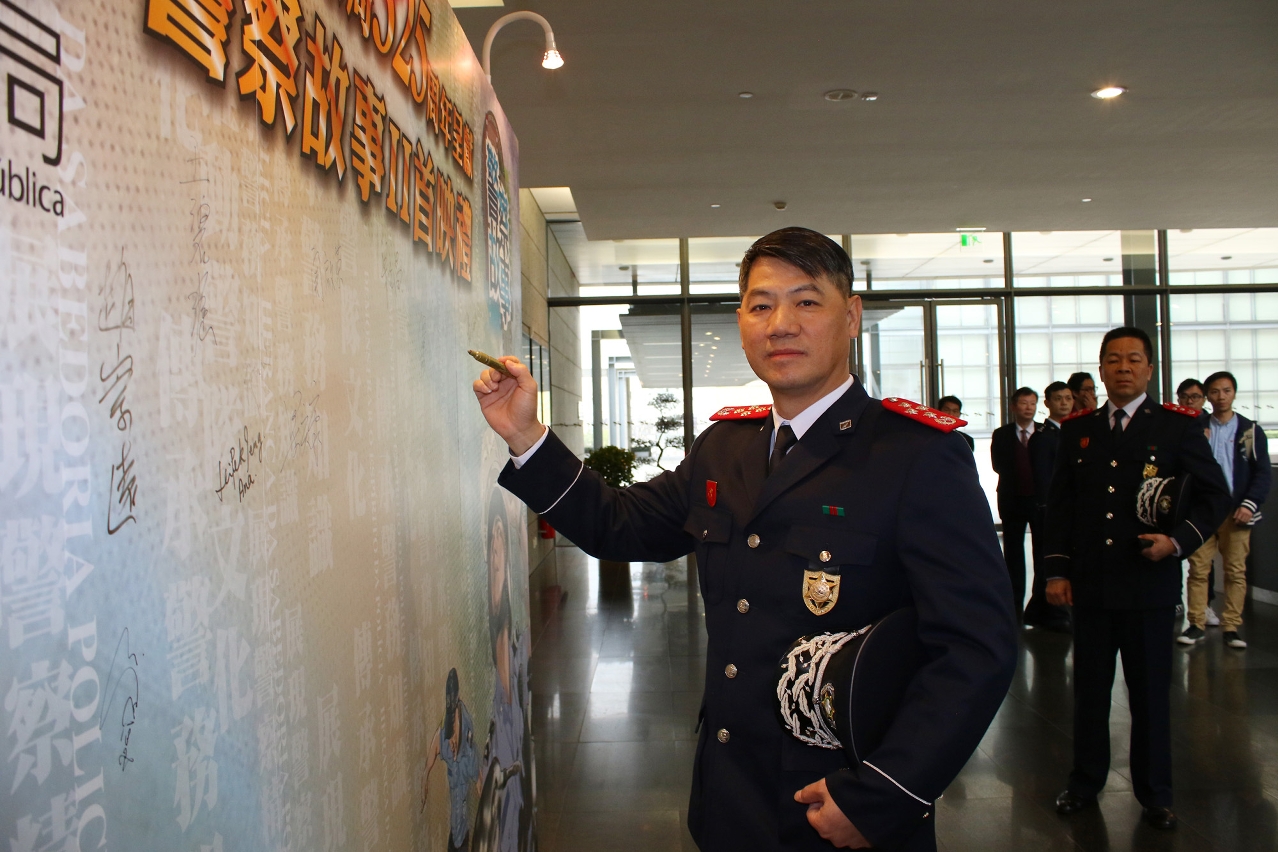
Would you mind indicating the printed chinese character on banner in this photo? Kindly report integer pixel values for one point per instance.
(187, 607)
(197, 28)
(30, 60)
(329, 729)
(367, 130)
(196, 785)
(271, 31)
(324, 96)
(39, 711)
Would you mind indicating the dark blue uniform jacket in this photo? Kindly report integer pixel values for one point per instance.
(915, 530)
(1092, 528)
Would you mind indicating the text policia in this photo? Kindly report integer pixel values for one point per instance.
(425, 198)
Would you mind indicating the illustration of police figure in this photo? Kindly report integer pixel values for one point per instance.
(824, 512)
(503, 821)
(454, 743)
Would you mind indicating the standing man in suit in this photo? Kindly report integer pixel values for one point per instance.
(1083, 387)
(1122, 577)
(824, 512)
(1009, 452)
(1042, 448)
(953, 407)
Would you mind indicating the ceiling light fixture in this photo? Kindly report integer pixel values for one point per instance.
(837, 95)
(870, 96)
(551, 59)
(715, 206)
(1086, 200)
(745, 95)
(1109, 92)
(780, 205)
(969, 230)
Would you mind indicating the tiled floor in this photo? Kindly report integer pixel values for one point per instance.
(616, 679)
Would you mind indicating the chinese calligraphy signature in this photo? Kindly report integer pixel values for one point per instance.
(126, 685)
(117, 315)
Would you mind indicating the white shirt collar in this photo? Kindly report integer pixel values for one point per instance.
(1053, 422)
(1129, 409)
(802, 421)
(1028, 430)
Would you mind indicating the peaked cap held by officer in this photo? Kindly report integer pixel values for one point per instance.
(876, 500)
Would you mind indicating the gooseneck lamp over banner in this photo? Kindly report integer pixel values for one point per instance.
(551, 59)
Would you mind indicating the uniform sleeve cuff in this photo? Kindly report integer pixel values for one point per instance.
(522, 459)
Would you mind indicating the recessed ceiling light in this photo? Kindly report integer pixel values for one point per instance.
(1085, 200)
(780, 205)
(962, 230)
(1109, 92)
(714, 206)
(745, 95)
(837, 95)
(870, 96)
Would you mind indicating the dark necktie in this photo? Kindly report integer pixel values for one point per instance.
(1117, 431)
(785, 440)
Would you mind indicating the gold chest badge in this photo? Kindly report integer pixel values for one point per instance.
(1151, 471)
(820, 591)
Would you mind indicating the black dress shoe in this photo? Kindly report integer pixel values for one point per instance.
(1071, 803)
(1160, 818)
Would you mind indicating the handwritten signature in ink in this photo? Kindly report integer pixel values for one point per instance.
(126, 684)
(200, 325)
(238, 458)
(303, 427)
(124, 487)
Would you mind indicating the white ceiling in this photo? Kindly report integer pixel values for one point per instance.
(984, 116)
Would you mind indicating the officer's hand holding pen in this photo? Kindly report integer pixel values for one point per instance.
(509, 404)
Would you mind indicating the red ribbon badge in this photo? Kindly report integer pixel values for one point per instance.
(712, 491)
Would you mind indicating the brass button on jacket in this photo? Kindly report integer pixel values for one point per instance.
(723, 735)
(753, 540)
(730, 670)
(743, 606)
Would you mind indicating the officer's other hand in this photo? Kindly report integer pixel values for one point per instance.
(1060, 592)
(1242, 515)
(1161, 548)
(827, 818)
(509, 404)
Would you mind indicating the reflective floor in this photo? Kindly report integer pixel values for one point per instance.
(617, 670)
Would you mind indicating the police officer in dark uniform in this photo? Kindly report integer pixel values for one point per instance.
(1121, 576)
(823, 513)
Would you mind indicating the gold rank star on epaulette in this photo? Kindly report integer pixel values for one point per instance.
(923, 414)
(742, 412)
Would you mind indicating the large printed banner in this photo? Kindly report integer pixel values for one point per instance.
(258, 589)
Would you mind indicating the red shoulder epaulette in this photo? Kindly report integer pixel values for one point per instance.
(1181, 409)
(923, 414)
(742, 412)
(1082, 412)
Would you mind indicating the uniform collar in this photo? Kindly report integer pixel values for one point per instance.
(1129, 409)
(803, 421)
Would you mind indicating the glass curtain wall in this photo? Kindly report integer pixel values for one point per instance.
(934, 322)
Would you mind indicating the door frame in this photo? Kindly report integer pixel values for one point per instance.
(932, 368)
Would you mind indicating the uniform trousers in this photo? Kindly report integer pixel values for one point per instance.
(1233, 541)
(1017, 513)
(1143, 637)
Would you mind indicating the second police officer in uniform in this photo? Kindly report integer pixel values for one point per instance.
(1122, 576)
(823, 513)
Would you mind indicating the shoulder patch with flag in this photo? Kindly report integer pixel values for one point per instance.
(1181, 409)
(1082, 412)
(742, 412)
(923, 414)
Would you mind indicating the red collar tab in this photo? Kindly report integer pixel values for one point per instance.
(923, 414)
(1082, 412)
(1181, 409)
(742, 412)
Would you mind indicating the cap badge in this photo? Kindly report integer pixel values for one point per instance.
(820, 591)
(712, 491)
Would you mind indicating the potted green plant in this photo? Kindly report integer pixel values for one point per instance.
(617, 467)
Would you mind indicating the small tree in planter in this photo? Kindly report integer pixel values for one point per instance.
(669, 427)
(615, 465)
